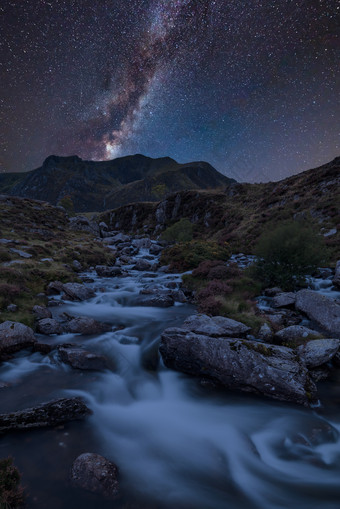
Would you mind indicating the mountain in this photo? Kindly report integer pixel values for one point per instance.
(101, 185)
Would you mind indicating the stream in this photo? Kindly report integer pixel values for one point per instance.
(175, 441)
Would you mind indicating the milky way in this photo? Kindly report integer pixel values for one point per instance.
(251, 87)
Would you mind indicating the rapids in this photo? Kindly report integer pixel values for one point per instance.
(175, 442)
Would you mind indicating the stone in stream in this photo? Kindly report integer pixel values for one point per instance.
(295, 334)
(318, 352)
(321, 309)
(49, 326)
(215, 326)
(41, 312)
(52, 413)
(85, 325)
(142, 264)
(79, 358)
(77, 291)
(97, 474)
(160, 301)
(108, 271)
(15, 336)
(240, 364)
(285, 299)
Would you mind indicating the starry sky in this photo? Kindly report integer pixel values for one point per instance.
(250, 86)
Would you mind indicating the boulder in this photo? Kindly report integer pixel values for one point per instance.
(12, 308)
(77, 291)
(318, 352)
(85, 325)
(144, 243)
(321, 309)
(49, 326)
(215, 326)
(285, 299)
(15, 336)
(77, 266)
(295, 334)
(54, 288)
(142, 265)
(336, 279)
(52, 413)
(159, 301)
(97, 474)
(81, 359)
(271, 292)
(41, 312)
(265, 333)
(23, 254)
(249, 366)
(83, 224)
(108, 271)
(155, 249)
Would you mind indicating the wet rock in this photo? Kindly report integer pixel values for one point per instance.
(323, 310)
(12, 308)
(336, 279)
(158, 300)
(215, 326)
(142, 265)
(77, 291)
(282, 300)
(240, 364)
(179, 296)
(318, 352)
(52, 413)
(79, 358)
(41, 312)
(54, 303)
(97, 474)
(15, 336)
(143, 243)
(108, 271)
(49, 326)
(42, 348)
(120, 237)
(265, 333)
(319, 374)
(295, 334)
(85, 325)
(155, 249)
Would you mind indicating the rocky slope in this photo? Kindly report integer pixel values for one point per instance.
(96, 186)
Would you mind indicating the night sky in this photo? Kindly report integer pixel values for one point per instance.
(250, 86)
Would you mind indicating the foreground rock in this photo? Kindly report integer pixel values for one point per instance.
(294, 334)
(85, 325)
(215, 326)
(15, 336)
(77, 291)
(52, 413)
(79, 358)
(97, 474)
(249, 366)
(321, 309)
(49, 326)
(318, 352)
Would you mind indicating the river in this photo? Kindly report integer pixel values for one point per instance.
(175, 441)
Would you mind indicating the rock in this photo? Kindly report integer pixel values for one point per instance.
(54, 288)
(336, 279)
(265, 333)
(12, 308)
(178, 296)
(319, 374)
(77, 266)
(52, 413)
(160, 301)
(85, 325)
(83, 224)
(42, 312)
(15, 336)
(318, 352)
(120, 237)
(23, 254)
(42, 348)
(108, 271)
(97, 474)
(144, 243)
(295, 334)
(285, 299)
(142, 265)
(54, 303)
(49, 326)
(249, 366)
(155, 249)
(81, 359)
(215, 326)
(321, 309)
(77, 291)
(271, 292)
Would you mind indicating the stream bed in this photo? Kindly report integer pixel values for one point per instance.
(175, 441)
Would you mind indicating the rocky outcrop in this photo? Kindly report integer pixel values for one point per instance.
(52, 413)
(97, 474)
(321, 309)
(318, 352)
(249, 366)
(215, 326)
(79, 358)
(15, 336)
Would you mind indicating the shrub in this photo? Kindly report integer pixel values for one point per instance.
(11, 494)
(189, 255)
(214, 288)
(182, 231)
(287, 254)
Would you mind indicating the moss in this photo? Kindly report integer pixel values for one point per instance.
(259, 348)
(11, 493)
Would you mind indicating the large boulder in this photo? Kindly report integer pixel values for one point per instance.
(336, 279)
(108, 271)
(294, 334)
(52, 413)
(318, 352)
(215, 326)
(321, 309)
(49, 326)
(81, 359)
(249, 366)
(15, 336)
(285, 299)
(77, 291)
(97, 474)
(85, 325)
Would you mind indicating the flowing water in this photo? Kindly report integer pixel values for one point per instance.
(175, 441)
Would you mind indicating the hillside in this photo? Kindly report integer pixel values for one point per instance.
(241, 212)
(97, 186)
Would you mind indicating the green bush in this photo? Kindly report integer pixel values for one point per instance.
(182, 231)
(288, 254)
(188, 255)
(11, 494)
